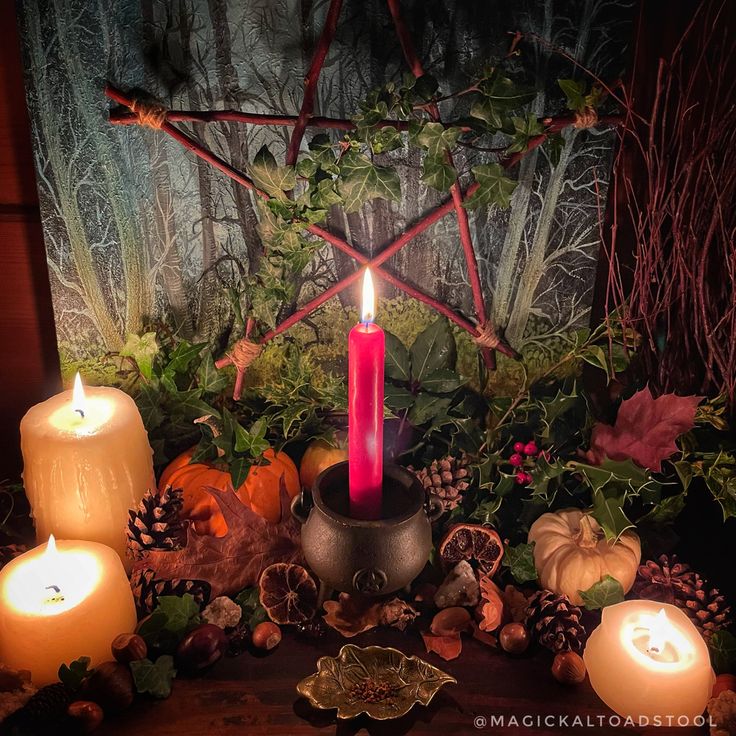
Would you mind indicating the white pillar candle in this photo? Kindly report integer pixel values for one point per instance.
(60, 602)
(86, 462)
(646, 661)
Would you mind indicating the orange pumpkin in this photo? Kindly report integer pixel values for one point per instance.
(261, 489)
(319, 456)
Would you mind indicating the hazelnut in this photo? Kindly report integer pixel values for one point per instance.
(514, 638)
(86, 715)
(110, 686)
(128, 648)
(266, 636)
(568, 668)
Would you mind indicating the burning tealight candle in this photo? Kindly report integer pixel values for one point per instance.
(366, 348)
(62, 601)
(647, 661)
(86, 462)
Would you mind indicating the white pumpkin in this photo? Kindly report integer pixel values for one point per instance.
(571, 553)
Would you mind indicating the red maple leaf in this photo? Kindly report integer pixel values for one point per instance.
(235, 561)
(645, 430)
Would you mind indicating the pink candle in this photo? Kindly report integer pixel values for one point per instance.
(366, 347)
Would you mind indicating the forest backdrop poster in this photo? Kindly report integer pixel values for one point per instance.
(142, 235)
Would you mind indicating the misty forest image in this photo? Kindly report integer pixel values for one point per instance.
(141, 235)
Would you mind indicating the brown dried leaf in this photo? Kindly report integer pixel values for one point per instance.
(235, 561)
(450, 621)
(352, 615)
(447, 647)
(516, 602)
(397, 613)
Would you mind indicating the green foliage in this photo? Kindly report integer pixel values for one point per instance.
(494, 187)
(361, 181)
(172, 618)
(75, 673)
(718, 470)
(606, 592)
(253, 612)
(577, 98)
(520, 561)
(142, 349)
(154, 678)
(722, 646)
(271, 178)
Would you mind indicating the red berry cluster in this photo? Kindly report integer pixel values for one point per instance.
(525, 455)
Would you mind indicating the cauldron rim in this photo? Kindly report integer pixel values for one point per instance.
(396, 473)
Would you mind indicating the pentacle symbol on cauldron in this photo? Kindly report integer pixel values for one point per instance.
(369, 581)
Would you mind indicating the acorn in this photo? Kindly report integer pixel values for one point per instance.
(110, 686)
(514, 638)
(127, 648)
(568, 668)
(87, 716)
(266, 636)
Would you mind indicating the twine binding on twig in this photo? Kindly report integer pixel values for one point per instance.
(243, 353)
(150, 113)
(586, 119)
(487, 336)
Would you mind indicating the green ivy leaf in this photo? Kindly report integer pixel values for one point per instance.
(210, 380)
(253, 612)
(722, 646)
(182, 356)
(433, 349)
(154, 678)
(437, 139)
(73, 674)
(363, 181)
(504, 94)
(397, 363)
(271, 178)
(425, 87)
(606, 592)
(520, 561)
(525, 129)
(143, 350)
(484, 109)
(494, 187)
(574, 92)
(438, 174)
(169, 621)
(239, 469)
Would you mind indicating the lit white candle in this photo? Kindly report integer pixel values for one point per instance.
(86, 462)
(646, 660)
(62, 601)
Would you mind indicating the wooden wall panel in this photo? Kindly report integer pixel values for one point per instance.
(29, 366)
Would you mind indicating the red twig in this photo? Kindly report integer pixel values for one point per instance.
(310, 82)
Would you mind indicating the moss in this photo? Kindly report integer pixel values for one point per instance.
(95, 371)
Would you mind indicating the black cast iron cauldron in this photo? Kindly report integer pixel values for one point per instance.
(366, 557)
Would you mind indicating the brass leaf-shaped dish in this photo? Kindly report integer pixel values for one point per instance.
(379, 681)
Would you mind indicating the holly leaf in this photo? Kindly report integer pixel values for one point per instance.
(520, 561)
(434, 349)
(154, 678)
(250, 604)
(609, 513)
(143, 349)
(645, 430)
(271, 178)
(494, 187)
(397, 363)
(606, 592)
(363, 181)
(666, 511)
(73, 674)
(722, 646)
(210, 380)
(236, 560)
(426, 407)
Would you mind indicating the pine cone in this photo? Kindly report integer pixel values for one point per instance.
(669, 581)
(44, 713)
(447, 478)
(9, 552)
(554, 621)
(156, 523)
(147, 589)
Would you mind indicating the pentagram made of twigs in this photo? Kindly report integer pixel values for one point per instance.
(484, 333)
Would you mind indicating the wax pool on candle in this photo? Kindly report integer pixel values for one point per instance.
(647, 660)
(366, 348)
(86, 462)
(62, 601)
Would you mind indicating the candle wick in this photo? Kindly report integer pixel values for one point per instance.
(54, 588)
(80, 412)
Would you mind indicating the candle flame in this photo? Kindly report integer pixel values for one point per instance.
(51, 553)
(369, 298)
(659, 633)
(79, 400)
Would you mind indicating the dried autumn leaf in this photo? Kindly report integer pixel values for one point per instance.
(516, 602)
(447, 647)
(235, 561)
(450, 621)
(352, 615)
(492, 605)
(484, 636)
(645, 430)
(398, 614)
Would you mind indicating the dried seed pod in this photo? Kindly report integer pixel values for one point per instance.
(87, 715)
(568, 668)
(266, 636)
(514, 638)
(128, 648)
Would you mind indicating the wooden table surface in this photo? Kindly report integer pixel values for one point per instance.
(250, 696)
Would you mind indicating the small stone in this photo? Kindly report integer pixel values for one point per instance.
(459, 588)
(13, 700)
(223, 612)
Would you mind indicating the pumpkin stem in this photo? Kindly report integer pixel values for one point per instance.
(586, 536)
(214, 425)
